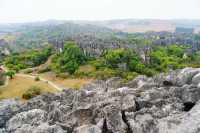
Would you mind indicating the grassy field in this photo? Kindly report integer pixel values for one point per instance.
(68, 82)
(19, 85)
(86, 68)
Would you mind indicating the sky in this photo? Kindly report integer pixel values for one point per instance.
(12, 11)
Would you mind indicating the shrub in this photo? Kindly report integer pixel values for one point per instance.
(85, 71)
(37, 79)
(62, 75)
(118, 56)
(105, 73)
(2, 78)
(149, 72)
(98, 63)
(27, 59)
(28, 71)
(194, 65)
(69, 60)
(31, 92)
(10, 74)
(1, 82)
(129, 75)
(46, 69)
(139, 68)
(70, 66)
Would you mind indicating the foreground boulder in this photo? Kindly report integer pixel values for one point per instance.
(162, 104)
(8, 108)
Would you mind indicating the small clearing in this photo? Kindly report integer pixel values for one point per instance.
(19, 85)
(67, 82)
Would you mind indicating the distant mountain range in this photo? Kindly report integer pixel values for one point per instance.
(145, 25)
(103, 34)
(124, 25)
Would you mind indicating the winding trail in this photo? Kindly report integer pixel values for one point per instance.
(32, 77)
(41, 79)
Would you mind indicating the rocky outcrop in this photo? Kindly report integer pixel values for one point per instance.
(162, 104)
(8, 108)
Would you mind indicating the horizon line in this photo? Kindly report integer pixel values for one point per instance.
(115, 19)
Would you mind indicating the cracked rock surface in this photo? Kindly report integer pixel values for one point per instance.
(162, 104)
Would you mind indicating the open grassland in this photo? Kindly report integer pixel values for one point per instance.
(66, 82)
(86, 68)
(19, 85)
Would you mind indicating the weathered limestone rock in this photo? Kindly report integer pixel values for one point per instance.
(185, 76)
(114, 119)
(143, 123)
(8, 108)
(128, 103)
(2, 130)
(144, 105)
(196, 79)
(33, 117)
(88, 129)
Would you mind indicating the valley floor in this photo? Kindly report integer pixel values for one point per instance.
(48, 82)
(17, 86)
(67, 82)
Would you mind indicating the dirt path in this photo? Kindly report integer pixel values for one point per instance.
(41, 79)
(31, 76)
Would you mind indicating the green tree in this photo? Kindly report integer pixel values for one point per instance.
(28, 59)
(197, 57)
(71, 66)
(165, 58)
(11, 74)
(114, 57)
(69, 60)
(175, 50)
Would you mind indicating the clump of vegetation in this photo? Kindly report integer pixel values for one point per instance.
(2, 78)
(69, 60)
(28, 71)
(37, 78)
(43, 70)
(105, 73)
(62, 75)
(10, 74)
(28, 59)
(165, 58)
(85, 71)
(1, 82)
(31, 92)
(121, 62)
(125, 63)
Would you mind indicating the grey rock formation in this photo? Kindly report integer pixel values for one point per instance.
(32, 117)
(196, 79)
(88, 129)
(161, 104)
(8, 108)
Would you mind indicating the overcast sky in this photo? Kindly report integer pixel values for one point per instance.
(39, 10)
